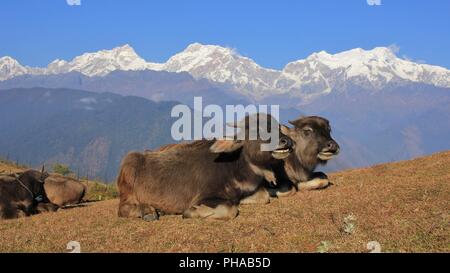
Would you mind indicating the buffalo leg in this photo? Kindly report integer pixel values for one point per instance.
(283, 190)
(8, 212)
(319, 181)
(26, 210)
(129, 206)
(46, 207)
(217, 209)
(129, 210)
(148, 213)
(259, 197)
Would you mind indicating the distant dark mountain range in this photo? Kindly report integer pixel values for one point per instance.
(392, 124)
(153, 85)
(89, 131)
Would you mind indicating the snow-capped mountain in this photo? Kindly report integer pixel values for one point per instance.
(102, 62)
(223, 65)
(10, 68)
(373, 69)
(318, 74)
(90, 64)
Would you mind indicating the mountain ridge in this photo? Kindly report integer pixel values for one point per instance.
(318, 74)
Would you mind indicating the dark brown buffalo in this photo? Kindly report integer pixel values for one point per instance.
(313, 146)
(62, 190)
(21, 194)
(201, 179)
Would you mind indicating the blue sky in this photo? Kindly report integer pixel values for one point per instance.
(270, 32)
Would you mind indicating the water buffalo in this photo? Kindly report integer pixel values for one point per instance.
(201, 179)
(21, 194)
(62, 190)
(313, 146)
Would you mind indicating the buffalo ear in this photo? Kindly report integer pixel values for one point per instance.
(285, 130)
(43, 169)
(293, 122)
(297, 122)
(226, 146)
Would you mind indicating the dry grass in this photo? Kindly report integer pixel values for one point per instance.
(8, 167)
(404, 206)
(97, 191)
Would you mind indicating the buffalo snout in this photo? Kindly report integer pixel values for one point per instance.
(330, 150)
(332, 147)
(284, 148)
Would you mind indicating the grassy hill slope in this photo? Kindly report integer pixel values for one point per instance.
(405, 206)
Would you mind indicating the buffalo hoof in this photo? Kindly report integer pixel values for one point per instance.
(150, 217)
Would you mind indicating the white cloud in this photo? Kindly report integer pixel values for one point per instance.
(394, 48)
(419, 61)
(88, 100)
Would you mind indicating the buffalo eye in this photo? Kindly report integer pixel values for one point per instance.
(307, 131)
